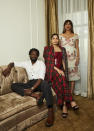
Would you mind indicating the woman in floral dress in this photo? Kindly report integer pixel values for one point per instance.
(70, 41)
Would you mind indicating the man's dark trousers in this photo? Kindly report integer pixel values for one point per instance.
(43, 87)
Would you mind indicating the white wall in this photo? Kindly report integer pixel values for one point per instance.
(38, 24)
(22, 26)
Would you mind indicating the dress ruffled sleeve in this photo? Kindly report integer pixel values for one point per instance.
(76, 37)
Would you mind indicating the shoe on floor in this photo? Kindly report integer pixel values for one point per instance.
(50, 119)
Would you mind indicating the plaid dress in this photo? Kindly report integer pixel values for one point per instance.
(59, 82)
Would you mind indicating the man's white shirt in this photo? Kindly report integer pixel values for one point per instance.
(34, 71)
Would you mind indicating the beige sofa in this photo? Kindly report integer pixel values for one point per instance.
(17, 112)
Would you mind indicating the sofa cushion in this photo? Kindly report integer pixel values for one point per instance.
(18, 74)
(13, 103)
(21, 75)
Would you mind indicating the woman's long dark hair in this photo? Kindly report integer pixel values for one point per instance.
(68, 21)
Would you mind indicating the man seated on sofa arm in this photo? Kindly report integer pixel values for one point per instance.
(36, 73)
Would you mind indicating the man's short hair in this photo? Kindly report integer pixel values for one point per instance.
(34, 49)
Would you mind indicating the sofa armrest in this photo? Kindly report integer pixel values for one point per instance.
(5, 82)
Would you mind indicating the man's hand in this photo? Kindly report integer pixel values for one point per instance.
(11, 65)
(7, 71)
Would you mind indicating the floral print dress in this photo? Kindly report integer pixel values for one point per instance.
(69, 45)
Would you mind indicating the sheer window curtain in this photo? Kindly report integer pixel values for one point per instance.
(76, 10)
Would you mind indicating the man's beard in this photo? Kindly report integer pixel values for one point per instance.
(34, 60)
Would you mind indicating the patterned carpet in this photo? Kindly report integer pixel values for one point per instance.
(80, 121)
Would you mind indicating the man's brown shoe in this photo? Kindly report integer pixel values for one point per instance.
(50, 119)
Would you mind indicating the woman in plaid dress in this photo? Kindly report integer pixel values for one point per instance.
(57, 73)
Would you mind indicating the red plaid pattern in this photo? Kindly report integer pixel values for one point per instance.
(59, 83)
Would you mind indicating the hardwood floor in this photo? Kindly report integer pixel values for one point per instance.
(80, 121)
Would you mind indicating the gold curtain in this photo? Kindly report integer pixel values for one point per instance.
(51, 13)
(91, 49)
